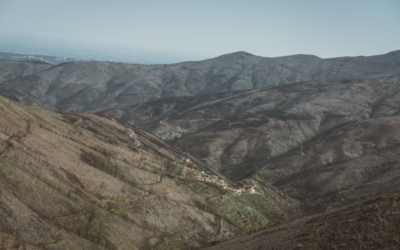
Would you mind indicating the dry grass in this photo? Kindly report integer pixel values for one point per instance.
(81, 182)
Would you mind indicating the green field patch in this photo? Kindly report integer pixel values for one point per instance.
(249, 212)
(175, 168)
(154, 165)
(176, 243)
(198, 187)
(231, 208)
(177, 181)
(264, 206)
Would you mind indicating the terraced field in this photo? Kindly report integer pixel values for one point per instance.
(372, 224)
(249, 212)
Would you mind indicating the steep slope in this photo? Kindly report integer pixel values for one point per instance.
(81, 181)
(15, 69)
(97, 86)
(323, 143)
(373, 224)
(22, 97)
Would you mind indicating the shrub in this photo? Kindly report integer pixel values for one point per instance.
(99, 163)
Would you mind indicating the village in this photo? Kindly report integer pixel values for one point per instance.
(201, 175)
(169, 136)
(204, 177)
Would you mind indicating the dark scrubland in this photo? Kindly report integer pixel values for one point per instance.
(324, 144)
(309, 135)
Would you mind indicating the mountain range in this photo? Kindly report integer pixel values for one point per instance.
(316, 138)
(98, 86)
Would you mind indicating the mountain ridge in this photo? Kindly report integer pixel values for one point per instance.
(296, 149)
(98, 86)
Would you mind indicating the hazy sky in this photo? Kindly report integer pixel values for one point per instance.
(209, 28)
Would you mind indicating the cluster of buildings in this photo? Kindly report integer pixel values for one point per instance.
(202, 176)
(168, 136)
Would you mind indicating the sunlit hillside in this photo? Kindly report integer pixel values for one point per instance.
(81, 181)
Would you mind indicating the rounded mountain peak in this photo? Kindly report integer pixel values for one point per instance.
(236, 56)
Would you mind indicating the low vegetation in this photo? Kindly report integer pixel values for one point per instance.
(63, 185)
(372, 224)
(81, 181)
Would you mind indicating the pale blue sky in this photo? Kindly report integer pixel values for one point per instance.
(209, 28)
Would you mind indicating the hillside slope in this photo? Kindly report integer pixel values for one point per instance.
(14, 69)
(373, 224)
(22, 97)
(82, 181)
(97, 86)
(314, 140)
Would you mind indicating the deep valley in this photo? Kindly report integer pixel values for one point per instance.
(234, 152)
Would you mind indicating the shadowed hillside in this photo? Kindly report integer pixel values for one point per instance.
(15, 69)
(22, 97)
(325, 144)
